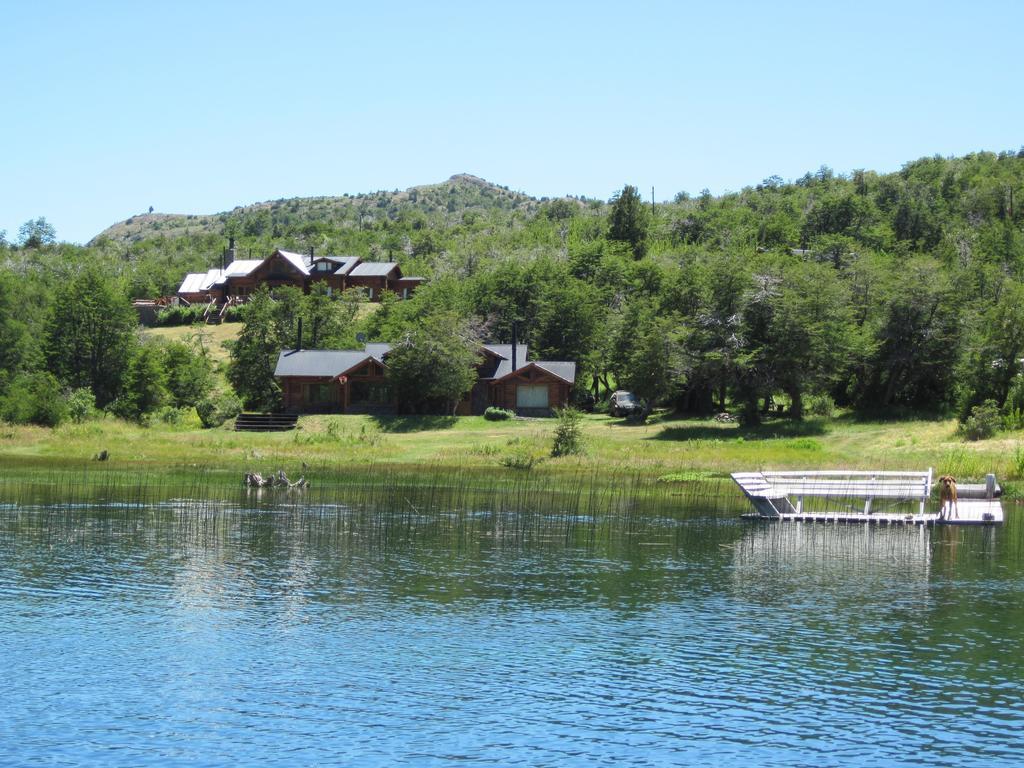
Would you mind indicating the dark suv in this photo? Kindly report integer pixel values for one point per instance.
(624, 403)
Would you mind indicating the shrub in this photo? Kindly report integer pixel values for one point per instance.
(34, 398)
(81, 405)
(1013, 419)
(180, 315)
(983, 422)
(236, 313)
(498, 414)
(171, 415)
(214, 411)
(568, 433)
(820, 405)
(519, 459)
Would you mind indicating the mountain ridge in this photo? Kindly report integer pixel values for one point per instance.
(471, 191)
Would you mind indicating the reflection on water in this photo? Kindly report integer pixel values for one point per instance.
(321, 631)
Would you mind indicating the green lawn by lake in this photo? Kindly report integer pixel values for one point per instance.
(663, 446)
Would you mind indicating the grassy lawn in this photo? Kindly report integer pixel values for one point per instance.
(658, 448)
(212, 337)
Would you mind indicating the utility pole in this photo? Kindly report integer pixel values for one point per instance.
(652, 201)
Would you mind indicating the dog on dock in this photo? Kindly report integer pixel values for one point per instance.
(948, 506)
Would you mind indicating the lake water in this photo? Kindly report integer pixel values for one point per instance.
(281, 633)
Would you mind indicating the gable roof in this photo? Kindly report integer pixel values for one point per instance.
(374, 269)
(560, 369)
(297, 260)
(378, 350)
(197, 282)
(342, 264)
(319, 363)
(241, 267)
(504, 353)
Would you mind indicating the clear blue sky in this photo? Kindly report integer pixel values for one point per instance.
(196, 107)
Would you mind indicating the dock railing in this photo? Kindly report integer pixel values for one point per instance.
(783, 492)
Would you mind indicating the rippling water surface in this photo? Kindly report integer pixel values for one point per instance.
(226, 634)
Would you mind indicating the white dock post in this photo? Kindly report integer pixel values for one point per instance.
(927, 491)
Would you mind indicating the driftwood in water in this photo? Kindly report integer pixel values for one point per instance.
(280, 480)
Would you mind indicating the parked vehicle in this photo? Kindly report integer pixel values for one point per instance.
(624, 403)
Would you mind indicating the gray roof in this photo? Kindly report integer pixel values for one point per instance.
(560, 368)
(345, 263)
(326, 363)
(378, 350)
(297, 260)
(374, 269)
(504, 351)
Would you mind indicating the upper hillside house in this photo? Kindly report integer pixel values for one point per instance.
(238, 278)
(355, 381)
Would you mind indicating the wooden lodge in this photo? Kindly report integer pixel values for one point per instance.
(356, 381)
(237, 279)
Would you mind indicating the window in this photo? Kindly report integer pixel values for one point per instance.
(320, 394)
(532, 396)
(370, 292)
(369, 393)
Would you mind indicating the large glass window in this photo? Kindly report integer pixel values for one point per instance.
(369, 393)
(320, 394)
(532, 396)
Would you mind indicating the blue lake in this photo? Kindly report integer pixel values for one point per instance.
(226, 634)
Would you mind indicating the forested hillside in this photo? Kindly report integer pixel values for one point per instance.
(877, 291)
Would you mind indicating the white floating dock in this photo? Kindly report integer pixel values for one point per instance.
(864, 497)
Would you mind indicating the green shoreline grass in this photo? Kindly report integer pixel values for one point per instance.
(673, 450)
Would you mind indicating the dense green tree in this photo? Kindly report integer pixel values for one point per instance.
(432, 365)
(145, 382)
(647, 357)
(629, 219)
(809, 336)
(34, 398)
(189, 374)
(254, 355)
(36, 233)
(90, 335)
(330, 320)
(917, 342)
(994, 351)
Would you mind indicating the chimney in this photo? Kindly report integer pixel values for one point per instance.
(311, 253)
(228, 255)
(515, 345)
(298, 341)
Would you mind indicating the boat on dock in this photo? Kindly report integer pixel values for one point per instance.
(866, 497)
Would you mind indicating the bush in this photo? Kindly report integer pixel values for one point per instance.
(1013, 419)
(81, 405)
(568, 433)
(171, 415)
(820, 405)
(180, 315)
(983, 422)
(34, 398)
(236, 313)
(498, 414)
(214, 411)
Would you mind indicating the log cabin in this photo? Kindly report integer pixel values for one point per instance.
(356, 381)
(237, 279)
